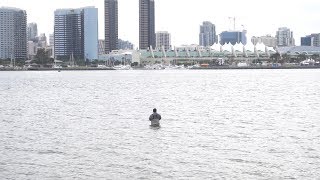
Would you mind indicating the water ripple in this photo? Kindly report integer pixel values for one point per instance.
(255, 124)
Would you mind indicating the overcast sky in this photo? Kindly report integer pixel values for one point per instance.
(183, 17)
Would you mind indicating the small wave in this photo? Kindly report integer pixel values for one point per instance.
(50, 152)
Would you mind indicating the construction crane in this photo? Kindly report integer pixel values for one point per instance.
(234, 22)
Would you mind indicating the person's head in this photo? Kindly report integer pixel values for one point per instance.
(154, 110)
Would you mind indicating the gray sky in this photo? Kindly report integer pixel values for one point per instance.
(183, 17)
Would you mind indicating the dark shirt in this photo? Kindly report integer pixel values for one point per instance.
(155, 116)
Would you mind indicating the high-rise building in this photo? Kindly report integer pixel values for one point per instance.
(307, 41)
(13, 33)
(76, 33)
(285, 37)
(316, 39)
(267, 40)
(32, 31)
(163, 38)
(146, 24)
(207, 36)
(233, 37)
(111, 25)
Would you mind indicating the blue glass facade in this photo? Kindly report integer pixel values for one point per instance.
(306, 41)
(233, 37)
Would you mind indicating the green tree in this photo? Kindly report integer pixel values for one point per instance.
(42, 57)
(275, 57)
(315, 56)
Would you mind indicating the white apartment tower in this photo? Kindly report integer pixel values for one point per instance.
(163, 38)
(285, 37)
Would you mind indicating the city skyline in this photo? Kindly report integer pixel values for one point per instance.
(183, 23)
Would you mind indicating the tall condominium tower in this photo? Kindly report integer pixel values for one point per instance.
(207, 36)
(146, 24)
(13, 33)
(111, 25)
(76, 33)
(285, 37)
(32, 31)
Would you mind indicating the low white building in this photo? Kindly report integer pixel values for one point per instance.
(131, 56)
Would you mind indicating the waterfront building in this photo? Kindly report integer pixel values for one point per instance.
(316, 39)
(124, 45)
(285, 37)
(76, 33)
(146, 24)
(32, 49)
(207, 36)
(32, 31)
(121, 56)
(195, 53)
(111, 25)
(311, 40)
(163, 39)
(233, 37)
(268, 40)
(307, 41)
(299, 50)
(13, 33)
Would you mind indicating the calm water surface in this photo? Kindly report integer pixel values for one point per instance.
(225, 124)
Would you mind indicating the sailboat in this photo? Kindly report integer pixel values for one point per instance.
(12, 62)
(72, 61)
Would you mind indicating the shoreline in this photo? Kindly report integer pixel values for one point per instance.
(139, 68)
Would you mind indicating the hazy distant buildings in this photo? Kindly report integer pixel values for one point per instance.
(207, 36)
(42, 40)
(32, 31)
(51, 40)
(101, 46)
(163, 39)
(111, 25)
(125, 45)
(76, 33)
(285, 37)
(13, 33)
(146, 24)
(233, 37)
(267, 40)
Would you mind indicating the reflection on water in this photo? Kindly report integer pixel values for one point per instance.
(246, 124)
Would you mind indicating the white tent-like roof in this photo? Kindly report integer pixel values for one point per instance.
(249, 47)
(227, 47)
(260, 47)
(216, 47)
(238, 48)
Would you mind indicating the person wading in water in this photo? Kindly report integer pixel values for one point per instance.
(155, 118)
